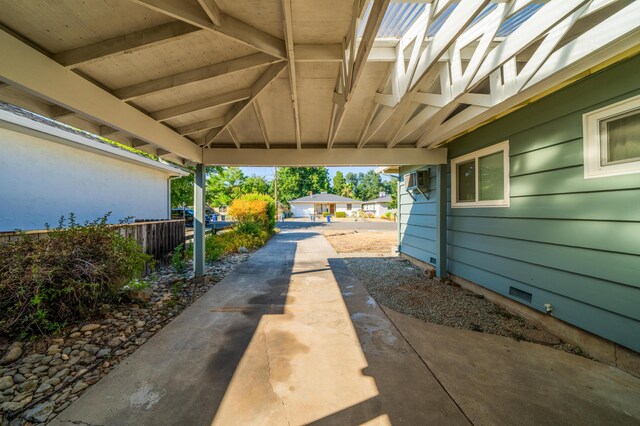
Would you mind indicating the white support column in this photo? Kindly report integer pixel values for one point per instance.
(199, 222)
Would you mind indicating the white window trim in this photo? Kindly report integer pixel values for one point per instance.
(502, 146)
(593, 167)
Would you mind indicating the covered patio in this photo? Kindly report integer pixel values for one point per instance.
(291, 336)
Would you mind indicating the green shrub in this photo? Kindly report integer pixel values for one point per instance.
(341, 214)
(47, 283)
(325, 214)
(179, 259)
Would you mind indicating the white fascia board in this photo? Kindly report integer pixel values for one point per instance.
(21, 124)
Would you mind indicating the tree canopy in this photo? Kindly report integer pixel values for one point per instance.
(296, 182)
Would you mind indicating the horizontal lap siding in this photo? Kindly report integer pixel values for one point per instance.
(417, 222)
(571, 242)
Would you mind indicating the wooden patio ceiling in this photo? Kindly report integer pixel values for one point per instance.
(298, 81)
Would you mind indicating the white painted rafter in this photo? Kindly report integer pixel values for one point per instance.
(355, 57)
(258, 87)
(293, 82)
(547, 66)
(230, 27)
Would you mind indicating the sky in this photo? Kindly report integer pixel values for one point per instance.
(267, 172)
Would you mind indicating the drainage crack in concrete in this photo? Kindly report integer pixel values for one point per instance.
(266, 350)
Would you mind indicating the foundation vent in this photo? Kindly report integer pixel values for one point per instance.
(523, 295)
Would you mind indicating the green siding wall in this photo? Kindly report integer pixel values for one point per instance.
(417, 220)
(569, 241)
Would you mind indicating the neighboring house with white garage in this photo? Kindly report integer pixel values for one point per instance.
(378, 206)
(48, 169)
(324, 203)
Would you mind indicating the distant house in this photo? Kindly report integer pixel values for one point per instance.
(323, 203)
(378, 206)
(48, 169)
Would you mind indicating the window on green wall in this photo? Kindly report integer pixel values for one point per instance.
(481, 178)
(612, 139)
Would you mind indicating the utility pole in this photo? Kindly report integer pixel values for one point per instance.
(275, 191)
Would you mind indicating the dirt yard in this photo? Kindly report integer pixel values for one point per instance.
(366, 242)
(398, 284)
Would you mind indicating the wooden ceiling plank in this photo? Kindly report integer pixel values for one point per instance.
(216, 101)
(124, 44)
(200, 126)
(192, 76)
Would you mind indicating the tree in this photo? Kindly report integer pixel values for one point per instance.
(370, 186)
(255, 185)
(339, 183)
(296, 182)
(352, 183)
(392, 190)
(224, 185)
(182, 191)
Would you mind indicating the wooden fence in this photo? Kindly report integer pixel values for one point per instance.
(157, 238)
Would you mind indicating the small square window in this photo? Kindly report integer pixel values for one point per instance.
(348, 206)
(612, 139)
(481, 178)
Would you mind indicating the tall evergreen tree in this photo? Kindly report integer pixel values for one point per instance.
(339, 183)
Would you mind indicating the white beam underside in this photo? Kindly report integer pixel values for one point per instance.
(293, 83)
(323, 157)
(457, 125)
(36, 73)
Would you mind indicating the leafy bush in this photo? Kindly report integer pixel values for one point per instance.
(179, 259)
(46, 283)
(325, 214)
(341, 214)
(257, 208)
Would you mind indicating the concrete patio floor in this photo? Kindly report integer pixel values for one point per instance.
(291, 337)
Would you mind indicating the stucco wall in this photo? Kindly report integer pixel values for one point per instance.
(40, 180)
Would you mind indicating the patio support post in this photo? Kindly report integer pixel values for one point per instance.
(441, 221)
(199, 222)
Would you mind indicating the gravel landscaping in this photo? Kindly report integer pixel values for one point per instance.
(41, 377)
(398, 284)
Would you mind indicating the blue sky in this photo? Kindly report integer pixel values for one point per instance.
(267, 172)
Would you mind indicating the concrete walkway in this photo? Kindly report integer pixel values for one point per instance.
(291, 337)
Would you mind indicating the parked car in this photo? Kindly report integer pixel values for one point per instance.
(189, 216)
(180, 213)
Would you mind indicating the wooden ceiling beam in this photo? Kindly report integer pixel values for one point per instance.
(212, 10)
(258, 87)
(38, 74)
(351, 73)
(293, 84)
(230, 27)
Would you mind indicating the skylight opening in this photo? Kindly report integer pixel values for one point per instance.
(401, 15)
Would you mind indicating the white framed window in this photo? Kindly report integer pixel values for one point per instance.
(481, 178)
(612, 139)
